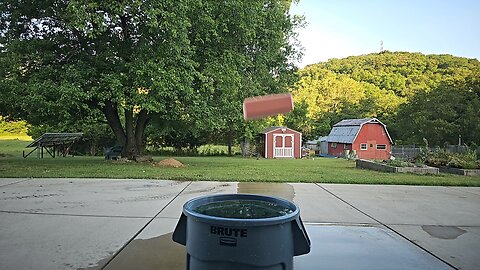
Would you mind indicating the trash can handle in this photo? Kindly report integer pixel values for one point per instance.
(180, 233)
(301, 242)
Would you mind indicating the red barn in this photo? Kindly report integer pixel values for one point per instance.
(280, 142)
(368, 137)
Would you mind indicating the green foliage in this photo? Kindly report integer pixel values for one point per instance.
(216, 150)
(399, 163)
(203, 150)
(441, 116)
(66, 63)
(418, 96)
(243, 49)
(440, 157)
(13, 127)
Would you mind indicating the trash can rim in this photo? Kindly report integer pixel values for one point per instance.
(188, 209)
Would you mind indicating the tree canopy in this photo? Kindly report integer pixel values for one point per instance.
(128, 62)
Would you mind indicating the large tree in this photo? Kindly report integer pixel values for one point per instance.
(243, 48)
(124, 58)
(63, 61)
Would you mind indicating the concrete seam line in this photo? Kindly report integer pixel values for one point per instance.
(388, 227)
(21, 181)
(351, 224)
(143, 228)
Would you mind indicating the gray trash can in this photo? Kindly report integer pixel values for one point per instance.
(241, 231)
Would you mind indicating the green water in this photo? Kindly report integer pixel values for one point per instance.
(243, 209)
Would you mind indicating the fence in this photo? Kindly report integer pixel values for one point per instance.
(411, 151)
(405, 151)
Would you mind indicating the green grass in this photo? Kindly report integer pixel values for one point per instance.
(12, 146)
(213, 168)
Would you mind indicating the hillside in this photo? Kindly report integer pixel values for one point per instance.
(418, 96)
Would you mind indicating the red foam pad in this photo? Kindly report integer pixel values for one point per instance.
(263, 106)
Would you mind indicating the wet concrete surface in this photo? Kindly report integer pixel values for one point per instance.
(443, 232)
(87, 223)
(461, 251)
(155, 253)
(333, 247)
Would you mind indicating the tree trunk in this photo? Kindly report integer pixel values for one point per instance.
(130, 151)
(111, 113)
(131, 138)
(142, 120)
(245, 145)
(229, 143)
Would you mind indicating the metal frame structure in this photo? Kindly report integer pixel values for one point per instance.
(59, 143)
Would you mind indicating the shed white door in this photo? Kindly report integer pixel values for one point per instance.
(282, 145)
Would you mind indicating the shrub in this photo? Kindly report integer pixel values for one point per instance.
(441, 157)
(13, 127)
(204, 150)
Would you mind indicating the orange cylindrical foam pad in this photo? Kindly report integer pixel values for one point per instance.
(263, 106)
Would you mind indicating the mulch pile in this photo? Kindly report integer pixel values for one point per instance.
(169, 162)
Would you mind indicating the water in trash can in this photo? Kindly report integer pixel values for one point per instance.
(243, 209)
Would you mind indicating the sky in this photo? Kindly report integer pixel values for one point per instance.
(342, 28)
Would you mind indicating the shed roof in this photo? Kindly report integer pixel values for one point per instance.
(270, 129)
(346, 131)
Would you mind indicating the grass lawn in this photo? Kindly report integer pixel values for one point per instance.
(212, 168)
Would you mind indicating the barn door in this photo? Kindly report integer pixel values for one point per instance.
(283, 145)
(371, 152)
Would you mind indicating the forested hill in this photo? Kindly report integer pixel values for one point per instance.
(402, 72)
(418, 96)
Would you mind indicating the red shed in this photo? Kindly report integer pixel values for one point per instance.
(368, 137)
(280, 142)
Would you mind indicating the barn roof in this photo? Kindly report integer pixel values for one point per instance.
(346, 131)
(270, 129)
(355, 122)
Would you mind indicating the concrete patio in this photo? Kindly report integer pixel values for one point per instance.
(127, 224)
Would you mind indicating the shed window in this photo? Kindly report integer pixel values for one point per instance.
(381, 146)
(334, 145)
(363, 146)
(345, 146)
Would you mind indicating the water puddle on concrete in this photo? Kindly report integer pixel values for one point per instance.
(146, 254)
(443, 232)
(281, 190)
(333, 247)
